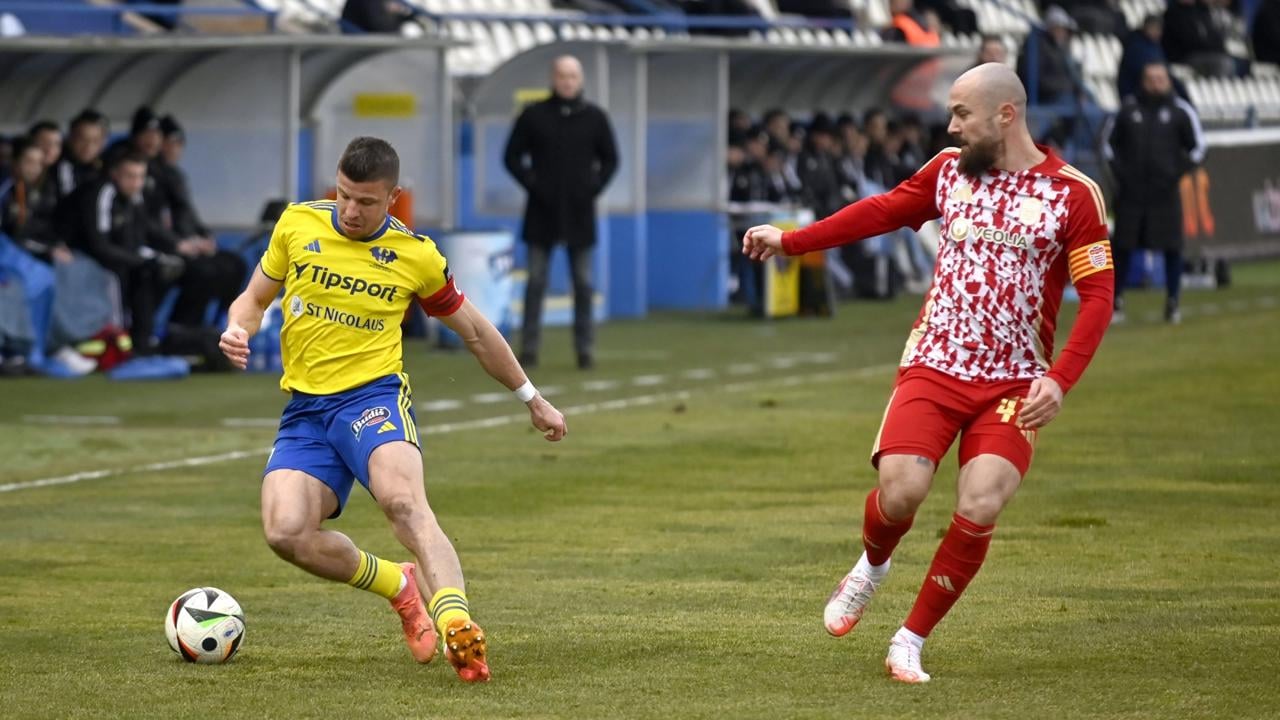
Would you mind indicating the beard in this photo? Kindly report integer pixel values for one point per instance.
(977, 157)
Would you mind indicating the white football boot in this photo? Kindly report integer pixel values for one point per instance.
(849, 600)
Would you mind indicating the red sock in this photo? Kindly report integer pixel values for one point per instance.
(958, 559)
(880, 535)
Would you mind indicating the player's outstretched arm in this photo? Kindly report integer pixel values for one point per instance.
(244, 317)
(495, 356)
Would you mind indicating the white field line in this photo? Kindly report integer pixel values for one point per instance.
(444, 428)
(73, 419)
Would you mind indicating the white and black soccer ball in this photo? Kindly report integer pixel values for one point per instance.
(205, 625)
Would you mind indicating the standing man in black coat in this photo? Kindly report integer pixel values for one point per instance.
(1152, 142)
(562, 152)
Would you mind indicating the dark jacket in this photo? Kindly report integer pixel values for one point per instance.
(1151, 143)
(1188, 30)
(1139, 51)
(819, 182)
(1266, 32)
(174, 195)
(71, 174)
(117, 230)
(372, 16)
(563, 153)
(1054, 62)
(27, 215)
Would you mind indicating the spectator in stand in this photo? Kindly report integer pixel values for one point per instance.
(6, 156)
(879, 167)
(82, 161)
(740, 126)
(1141, 48)
(375, 16)
(961, 20)
(991, 50)
(1053, 79)
(1266, 32)
(815, 8)
(48, 137)
(1102, 17)
(746, 168)
(211, 274)
(27, 205)
(817, 168)
(115, 229)
(909, 27)
(778, 125)
(781, 183)
(1191, 37)
(853, 155)
(911, 155)
(741, 8)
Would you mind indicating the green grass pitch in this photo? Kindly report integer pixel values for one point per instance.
(671, 558)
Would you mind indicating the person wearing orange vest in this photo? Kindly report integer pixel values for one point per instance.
(908, 28)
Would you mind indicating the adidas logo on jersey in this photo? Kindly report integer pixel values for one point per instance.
(313, 246)
(386, 427)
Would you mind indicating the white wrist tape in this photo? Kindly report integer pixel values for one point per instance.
(526, 391)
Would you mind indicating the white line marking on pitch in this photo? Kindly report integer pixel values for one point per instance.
(251, 422)
(698, 374)
(440, 428)
(598, 385)
(490, 398)
(648, 380)
(167, 465)
(73, 419)
(437, 405)
(743, 368)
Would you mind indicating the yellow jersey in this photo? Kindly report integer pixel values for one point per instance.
(344, 299)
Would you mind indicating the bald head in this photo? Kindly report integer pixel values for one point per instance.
(566, 77)
(990, 85)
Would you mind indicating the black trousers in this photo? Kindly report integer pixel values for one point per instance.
(218, 277)
(536, 290)
(142, 288)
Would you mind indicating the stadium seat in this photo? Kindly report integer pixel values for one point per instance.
(523, 36)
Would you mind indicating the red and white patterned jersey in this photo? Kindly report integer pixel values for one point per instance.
(1010, 241)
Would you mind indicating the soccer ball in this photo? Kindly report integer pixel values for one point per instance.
(205, 625)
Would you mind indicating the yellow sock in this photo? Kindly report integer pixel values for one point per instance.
(448, 604)
(378, 576)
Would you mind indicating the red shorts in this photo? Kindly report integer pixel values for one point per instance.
(928, 409)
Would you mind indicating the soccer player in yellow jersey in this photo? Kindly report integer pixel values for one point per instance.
(349, 271)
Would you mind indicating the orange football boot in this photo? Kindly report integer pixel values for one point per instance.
(419, 632)
(465, 648)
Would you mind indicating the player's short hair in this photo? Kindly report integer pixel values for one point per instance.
(367, 159)
(133, 156)
(88, 116)
(43, 126)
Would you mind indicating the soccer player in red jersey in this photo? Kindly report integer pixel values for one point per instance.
(1017, 224)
